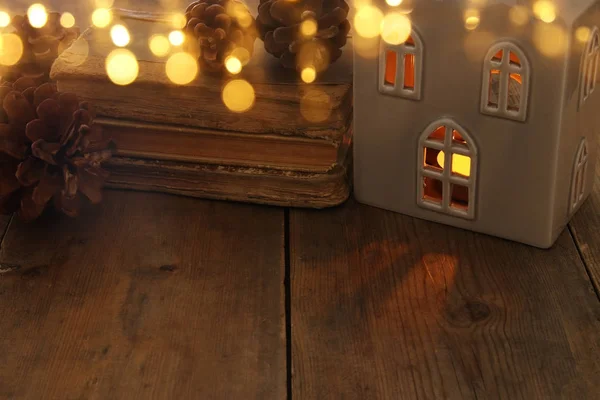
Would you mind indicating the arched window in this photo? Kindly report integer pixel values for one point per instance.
(401, 68)
(579, 175)
(506, 77)
(447, 169)
(589, 67)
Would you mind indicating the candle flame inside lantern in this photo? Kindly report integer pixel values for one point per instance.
(460, 164)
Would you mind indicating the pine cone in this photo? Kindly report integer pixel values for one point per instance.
(218, 28)
(41, 46)
(48, 150)
(289, 32)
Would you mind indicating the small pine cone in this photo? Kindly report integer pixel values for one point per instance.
(218, 28)
(48, 152)
(304, 33)
(41, 47)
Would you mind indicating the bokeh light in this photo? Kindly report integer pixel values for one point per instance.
(583, 34)
(120, 35)
(545, 10)
(122, 67)
(315, 105)
(393, 3)
(4, 19)
(181, 68)
(159, 45)
(178, 21)
(104, 3)
(308, 75)
(11, 49)
(67, 20)
(101, 17)
(233, 65)
(550, 39)
(472, 19)
(239, 11)
(308, 28)
(238, 96)
(395, 28)
(519, 15)
(241, 54)
(367, 21)
(37, 15)
(176, 38)
(79, 51)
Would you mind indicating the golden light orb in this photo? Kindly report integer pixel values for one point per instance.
(315, 105)
(104, 3)
(238, 96)
(550, 39)
(120, 35)
(178, 21)
(101, 17)
(583, 34)
(393, 3)
(11, 49)
(233, 65)
(395, 28)
(472, 19)
(122, 67)
(519, 15)
(545, 10)
(241, 54)
(37, 15)
(181, 68)
(4, 19)
(159, 45)
(308, 75)
(67, 20)
(308, 28)
(176, 38)
(367, 21)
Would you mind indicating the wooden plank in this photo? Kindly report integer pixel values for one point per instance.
(145, 297)
(387, 307)
(585, 227)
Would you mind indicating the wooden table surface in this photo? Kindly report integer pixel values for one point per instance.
(151, 296)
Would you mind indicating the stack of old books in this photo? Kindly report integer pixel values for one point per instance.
(291, 148)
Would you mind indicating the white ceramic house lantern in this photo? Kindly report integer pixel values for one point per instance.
(485, 122)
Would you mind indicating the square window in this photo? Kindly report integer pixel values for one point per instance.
(461, 165)
(432, 190)
(460, 197)
(431, 159)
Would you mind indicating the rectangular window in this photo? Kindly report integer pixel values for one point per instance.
(432, 190)
(391, 62)
(494, 88)
(514, 92)
(409, 71)
(460, 197)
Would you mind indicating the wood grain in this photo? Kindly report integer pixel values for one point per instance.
(585, 227)
(146, 297)
(387, 307)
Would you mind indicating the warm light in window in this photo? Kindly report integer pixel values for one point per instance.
(159, 45)
(308, 27)
(367, 21)
(393, 3)
(395, 28)
(4, 19)
(545, 10)
(233, 65)
(101, 17)
(181, 68)
(120, 35)
(176, 38)
(67, 20)
(178, 21)
(460, 164)
(37, 15)
(11, 49)
(519, 15)
(308, 75)
(583, 34)
(122, 67)
(238, 96)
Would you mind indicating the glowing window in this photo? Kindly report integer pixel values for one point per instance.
(400, 68)
(447, 170)
(579, 175)
(505, 87)
(589, 67)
